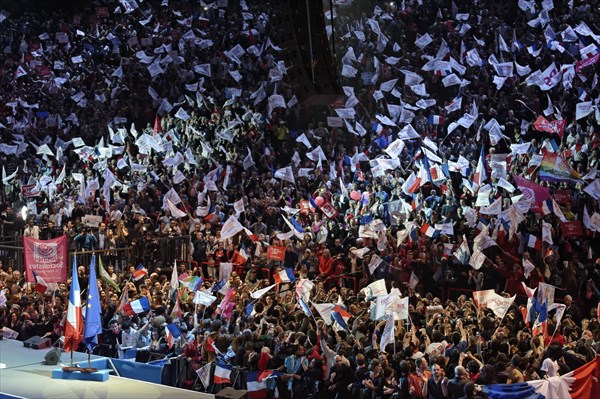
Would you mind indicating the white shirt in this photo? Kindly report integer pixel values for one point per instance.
(129, 338)
(550, 367)
(32, 232)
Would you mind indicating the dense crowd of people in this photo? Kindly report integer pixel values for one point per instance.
(176, 119)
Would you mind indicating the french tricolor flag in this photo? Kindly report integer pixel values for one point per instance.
(481, 170)
(140, 272)
(341, 316)
(40, 285)
(547, 207)
(223, 373)
(284, 276)
(533, 242)
(435, 120)
(241, 256)
(137, 306)
(429, 231)
(173, 333)
(255, 388)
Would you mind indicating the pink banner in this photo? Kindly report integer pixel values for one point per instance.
(533, 192)
(48, 258)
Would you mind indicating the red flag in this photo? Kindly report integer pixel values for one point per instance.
(544, 125)
(157, 125)
(585, 380)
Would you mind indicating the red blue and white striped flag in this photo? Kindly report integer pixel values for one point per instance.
(138, 306)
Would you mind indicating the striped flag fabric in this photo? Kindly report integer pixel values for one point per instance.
(192, 283)
(532, 241)
(304, 307)
(284, 276)
(250, 310)
(435, 120)
(577, 384)
(40, 285)
(430, 231)
(74, 325)
(241, 256)
(481, 169)
(341, 316)
(138, 306)
(219, 285)
(140, 272)
(256, 389)
(173, 333)
(222, 373)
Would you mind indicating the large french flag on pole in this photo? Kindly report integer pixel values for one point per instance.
(74, 325)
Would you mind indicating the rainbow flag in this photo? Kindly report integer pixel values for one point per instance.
(557, 169)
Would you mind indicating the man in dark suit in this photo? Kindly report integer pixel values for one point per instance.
(572, 311)
(457, 384)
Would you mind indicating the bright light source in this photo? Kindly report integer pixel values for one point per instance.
(24, 213)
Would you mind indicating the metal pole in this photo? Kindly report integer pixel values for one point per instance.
(310, 46)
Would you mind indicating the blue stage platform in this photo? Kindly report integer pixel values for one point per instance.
(23, 374)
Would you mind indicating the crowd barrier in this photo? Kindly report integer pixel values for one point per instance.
(161, 252)
(130, 369)
(168, 250)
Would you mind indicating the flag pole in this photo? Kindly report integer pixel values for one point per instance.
(74, 266)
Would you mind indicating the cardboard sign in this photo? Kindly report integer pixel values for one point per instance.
(561, 197)
(329, 210)
(91, 220)
(27, 191)
(571, 229)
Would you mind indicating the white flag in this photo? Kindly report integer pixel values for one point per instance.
(387, 336)
(175, 212)
(259, 293)
(230, 228)
(204, 298)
